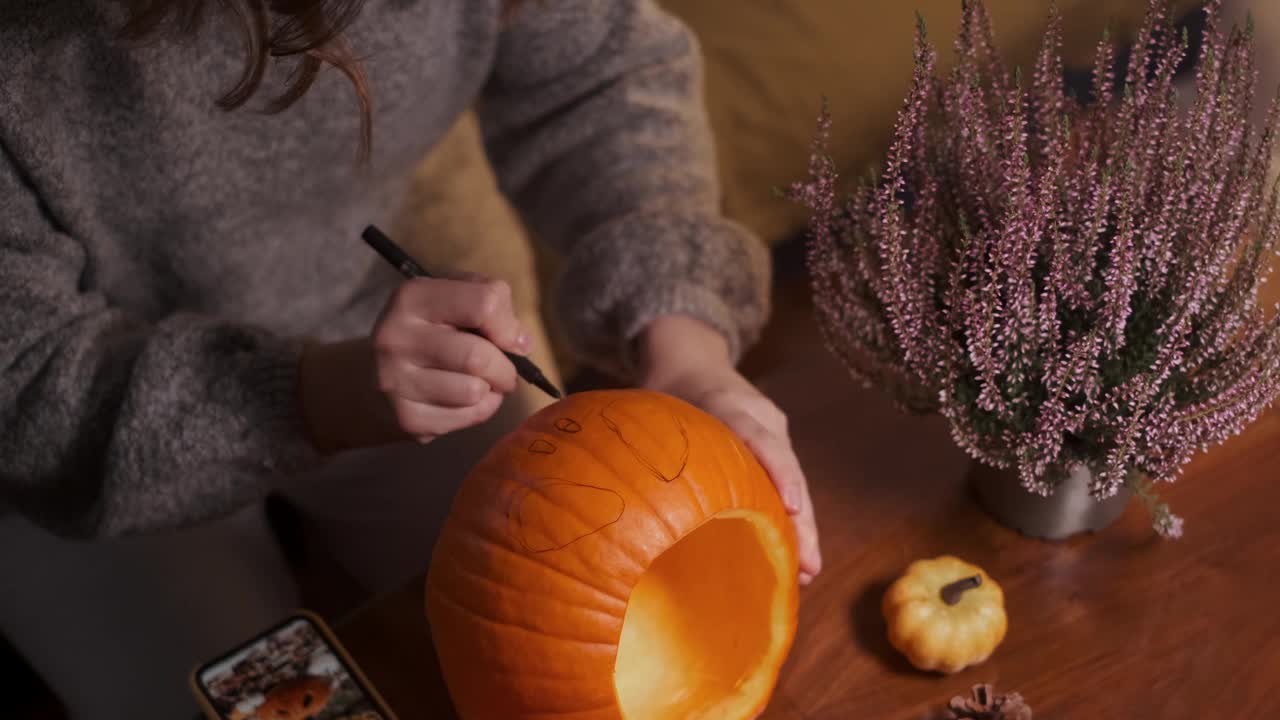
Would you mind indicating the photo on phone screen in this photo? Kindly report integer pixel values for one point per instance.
(291, 672)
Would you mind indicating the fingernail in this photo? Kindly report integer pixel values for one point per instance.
(805, 578)
(524, 342)
(791, 500)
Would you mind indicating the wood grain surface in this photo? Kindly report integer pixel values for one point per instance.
(1119, 624)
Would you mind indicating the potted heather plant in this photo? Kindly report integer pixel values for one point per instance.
(1072, 285)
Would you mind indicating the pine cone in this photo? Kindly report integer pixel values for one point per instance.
(984, 704)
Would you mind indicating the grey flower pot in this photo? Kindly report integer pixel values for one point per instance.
(1069, 511)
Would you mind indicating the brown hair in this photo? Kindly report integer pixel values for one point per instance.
(310, 30)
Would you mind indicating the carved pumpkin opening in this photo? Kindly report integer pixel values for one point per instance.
(702, 637)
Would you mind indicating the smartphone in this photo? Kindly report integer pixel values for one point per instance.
(295, 670)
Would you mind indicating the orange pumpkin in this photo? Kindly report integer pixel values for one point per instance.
(297, 699)
(620, 556)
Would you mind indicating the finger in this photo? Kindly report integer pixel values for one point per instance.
(431, 386)
(446, 348)
(807, 541)
(806, 526)
(470, 355)
(482, 306)
(779, 460)
(771, 416)
(776, 457)
(429, 421)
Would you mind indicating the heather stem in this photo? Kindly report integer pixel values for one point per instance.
(1164, 522)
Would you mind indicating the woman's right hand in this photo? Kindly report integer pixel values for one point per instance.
(417, 375)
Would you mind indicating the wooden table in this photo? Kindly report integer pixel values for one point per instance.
(1116, 625)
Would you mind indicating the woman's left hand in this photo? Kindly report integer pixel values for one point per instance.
(690, 360)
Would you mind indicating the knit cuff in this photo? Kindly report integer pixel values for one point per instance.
(283, 445)
(225, 428)
(635, 269)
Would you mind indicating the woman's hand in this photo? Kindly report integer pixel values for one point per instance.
(686, 358)
(417, 375)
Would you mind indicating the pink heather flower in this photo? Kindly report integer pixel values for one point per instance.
(1065, 283)
(1170, 526)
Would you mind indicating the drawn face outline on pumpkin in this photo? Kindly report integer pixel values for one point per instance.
(522, 530)
(568, 425)
(640, 456)
(542, 447)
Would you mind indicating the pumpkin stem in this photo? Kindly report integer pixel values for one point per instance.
(951, 592)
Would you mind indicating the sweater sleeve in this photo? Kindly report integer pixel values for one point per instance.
(110, 425)
(595, 124)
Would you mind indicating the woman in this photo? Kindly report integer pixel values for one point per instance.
(189, 320)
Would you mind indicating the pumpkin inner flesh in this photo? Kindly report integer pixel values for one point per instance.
(705, 628)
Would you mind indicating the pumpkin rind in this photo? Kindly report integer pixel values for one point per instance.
(295, 699)
(553, 529)
(935, 636)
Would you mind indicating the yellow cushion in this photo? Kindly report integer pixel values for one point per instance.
(769, 62)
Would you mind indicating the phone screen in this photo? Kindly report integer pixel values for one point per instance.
(290, 672)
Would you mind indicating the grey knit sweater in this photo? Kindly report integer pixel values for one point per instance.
(161, 261)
